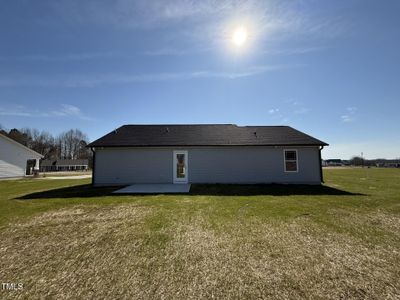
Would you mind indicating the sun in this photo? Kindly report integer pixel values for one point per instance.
(239, 36)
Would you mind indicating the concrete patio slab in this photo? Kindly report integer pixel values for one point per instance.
(162, 188)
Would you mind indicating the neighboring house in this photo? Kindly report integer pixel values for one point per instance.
(206, 154)
(392, 165)
(388, 163)
(333, 162)
(346, 162)
(15, 159)
(55, 165)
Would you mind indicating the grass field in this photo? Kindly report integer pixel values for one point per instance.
(64, 239)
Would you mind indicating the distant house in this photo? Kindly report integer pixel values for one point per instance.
(346, 162)
(206, 154)
(333, 162)
(16, 160)
(55, 165)
(387, 163)
(392, 165)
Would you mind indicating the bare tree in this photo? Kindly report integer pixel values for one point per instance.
(72, 144)
(19, 136)
(3, 130)
(356, 160)
(40, 141)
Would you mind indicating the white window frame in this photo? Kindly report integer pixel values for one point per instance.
(174, 178)
(284, 161)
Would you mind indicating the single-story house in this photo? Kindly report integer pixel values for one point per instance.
(217, 153)
(335, 162)
(16, 160)
(388, 163)
(55, 165)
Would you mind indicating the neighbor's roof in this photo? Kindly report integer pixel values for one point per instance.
(20, 145)
(64, 162)
(204, 135)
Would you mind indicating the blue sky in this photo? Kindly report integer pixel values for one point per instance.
(328, 68)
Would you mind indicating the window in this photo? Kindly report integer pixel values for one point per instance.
(180, 166)
(290, 160)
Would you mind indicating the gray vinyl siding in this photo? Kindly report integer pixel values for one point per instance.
(251, 165)
(205, 165)
(133, 165)
(13, 158)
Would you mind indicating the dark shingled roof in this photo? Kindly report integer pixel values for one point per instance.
(64, 162)
(204, 135)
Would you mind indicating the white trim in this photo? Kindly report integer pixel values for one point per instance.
(284, 161)
(22, 146)
(175, 179)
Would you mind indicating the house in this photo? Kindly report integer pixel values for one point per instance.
(15, 159)
(55, 165)
(346, 162)
(206, 154)
(387, 163)
(335, 162)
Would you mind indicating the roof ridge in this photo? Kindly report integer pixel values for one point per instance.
(265, 126)
(208, 124)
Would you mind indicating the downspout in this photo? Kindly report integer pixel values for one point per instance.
(320, 165)
(94, 164)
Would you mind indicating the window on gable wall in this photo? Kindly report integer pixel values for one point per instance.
(290, 160)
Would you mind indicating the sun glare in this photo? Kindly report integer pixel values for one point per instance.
(239, 36)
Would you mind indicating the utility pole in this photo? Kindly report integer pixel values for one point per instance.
(362, 159)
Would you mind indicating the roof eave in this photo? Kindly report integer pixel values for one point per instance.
(204, 145)
(22, 146)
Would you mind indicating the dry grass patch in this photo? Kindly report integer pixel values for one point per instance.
(134, 252)
(66, 240)
(70, 253)
(377, 224)
(277, 260)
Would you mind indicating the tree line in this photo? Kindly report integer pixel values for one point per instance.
(360, 161)
(70, 144)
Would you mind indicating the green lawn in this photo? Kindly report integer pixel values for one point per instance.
(65, 239)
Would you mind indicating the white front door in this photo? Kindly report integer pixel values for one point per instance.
(180, 167)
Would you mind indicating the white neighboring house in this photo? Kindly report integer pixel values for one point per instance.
(14, 158)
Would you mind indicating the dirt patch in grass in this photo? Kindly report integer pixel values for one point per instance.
(134, 252)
